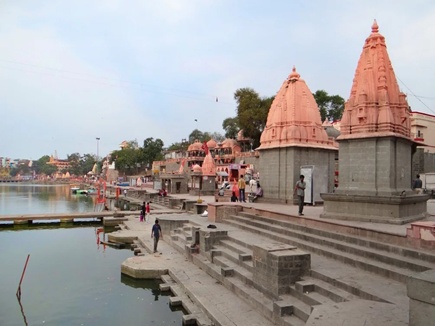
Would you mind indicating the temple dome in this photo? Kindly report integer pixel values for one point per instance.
(294, 118)
(195, 146)
(376, 106)
(211, 144)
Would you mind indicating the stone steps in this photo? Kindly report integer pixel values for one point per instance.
(237, 258)
(420, 255)
(225, 269)
(384, 264)
(240, 282)
(310, 291)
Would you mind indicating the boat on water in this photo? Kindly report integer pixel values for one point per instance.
(74, 188)
(80, 192)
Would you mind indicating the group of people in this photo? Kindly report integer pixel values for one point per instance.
(144, 211)
(241, 185)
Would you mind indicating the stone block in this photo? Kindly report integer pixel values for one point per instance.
(175, 301)
(277, 266)
(304, 286)
(210, 237)
(282, 308)
(245, 257)
(227, 271)
(189, 320)
(164, 287)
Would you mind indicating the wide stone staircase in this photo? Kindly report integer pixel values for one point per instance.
(344, 268)
(388, 260)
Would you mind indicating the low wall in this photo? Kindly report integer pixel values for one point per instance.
(217, 212)
(421, 293)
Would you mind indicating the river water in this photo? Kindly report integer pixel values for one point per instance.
(70, 278)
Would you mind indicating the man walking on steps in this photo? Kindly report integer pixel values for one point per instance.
(156, 233)
(300, 192)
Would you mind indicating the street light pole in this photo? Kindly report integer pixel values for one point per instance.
(98, 143)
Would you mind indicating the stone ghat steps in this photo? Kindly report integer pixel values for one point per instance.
(252, 296)
(245, 284)
(240, 283)
(418, 255)
(387, 264)
(322, 271)
(195, 316)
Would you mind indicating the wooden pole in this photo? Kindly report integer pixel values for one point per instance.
(22, 276)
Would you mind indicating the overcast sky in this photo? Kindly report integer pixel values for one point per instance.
(71, 71)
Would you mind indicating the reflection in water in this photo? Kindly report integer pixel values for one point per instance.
(39, 199)
(22, 311)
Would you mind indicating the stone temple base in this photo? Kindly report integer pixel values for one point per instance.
(378, 209)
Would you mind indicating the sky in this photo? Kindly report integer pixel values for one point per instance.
(74, 71)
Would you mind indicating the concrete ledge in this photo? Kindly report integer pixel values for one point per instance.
(189, 320)
(282, 308)
(175, 301)
(227, 271)
(164, 287)
(245, 257)
(304, 286)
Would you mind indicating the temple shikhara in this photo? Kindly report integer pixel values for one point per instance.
(375, 156)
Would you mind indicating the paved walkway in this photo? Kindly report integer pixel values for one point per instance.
(313, 212)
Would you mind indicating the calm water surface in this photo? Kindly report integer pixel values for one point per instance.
(70, 279)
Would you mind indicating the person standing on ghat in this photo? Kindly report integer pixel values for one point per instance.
(241, 185)
(300, 192)
(156, 233)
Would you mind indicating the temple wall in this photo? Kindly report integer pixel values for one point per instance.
(374, 165)
(280, 169)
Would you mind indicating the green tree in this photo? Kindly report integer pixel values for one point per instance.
(151, 151)
(126, 159)
(41, 166)
(231, 127)
(331, 107)
(196, 134)
(179, 146)
(86, 164)
(252, 111)
(74, 163)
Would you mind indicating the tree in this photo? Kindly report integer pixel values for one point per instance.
(231, 127)
(196, 134)
(218, 137)
(180, 146)
(252, 111)
(41, 166)
(331, 107)
(125, 159)
(74, 163)
(151, 151)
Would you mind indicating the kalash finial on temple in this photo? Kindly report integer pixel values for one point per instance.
(375, 27)
(376, 106)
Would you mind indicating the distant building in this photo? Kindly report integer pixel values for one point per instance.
(423, 130)
(60, 164)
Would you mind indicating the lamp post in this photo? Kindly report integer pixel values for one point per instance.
(98, 143)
